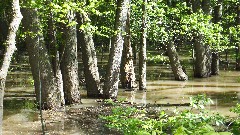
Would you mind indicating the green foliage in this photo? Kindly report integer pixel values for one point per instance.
(131, 120)
(156, 59)
(236, 124)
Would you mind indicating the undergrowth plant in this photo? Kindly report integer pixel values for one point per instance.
(131, 120)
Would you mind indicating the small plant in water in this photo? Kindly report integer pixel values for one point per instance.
(196, 121)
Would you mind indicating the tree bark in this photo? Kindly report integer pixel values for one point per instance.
(89, 58)
(143, 53)
(127, 68)
(175, 62)
(10, 48)
(217, 14)
(206, 6)
(51, 43)
(46, 88)
(110, 88)
(196, 5)
(69, 63)
(201, 70)
(238, 45)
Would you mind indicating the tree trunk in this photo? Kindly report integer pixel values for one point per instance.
(201, 70)
(89, 58)
(217, 14)
(127, 68)
(175, 63)
(110, 88)
(69, 63)
(51, 42)
(10, 48)
(47, 92)
(196, 5)
(143, 53)
(206, 6)
(238, 45)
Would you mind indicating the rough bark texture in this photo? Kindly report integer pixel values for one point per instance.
(127, 68)
(175, 63)
(51, 42)
(69, 63)
(217, 14)
(89, 59)
(201, 64)
(143, 53)
(10, 48)
(206, 7)
(238, 45)
(196, 5)
(110, 88)
(201, 58)
(42, 71)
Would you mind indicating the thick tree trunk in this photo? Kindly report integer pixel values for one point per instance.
(51, 42)
(10, 48)
(110, 88)
(217, 14)
(196, 5)
(202, 63)
(143, 53)
(89, 59)
(206, 6)
(127, 68)
(46, 88)
(238, 45)
(175, 62)
(201, 58)
(69, 63)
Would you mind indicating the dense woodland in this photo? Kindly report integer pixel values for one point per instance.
(53, 33)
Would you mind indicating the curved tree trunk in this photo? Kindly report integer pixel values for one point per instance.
(10, 48)
(45, 82)
(142, 48)
(127, 68)
(110, 88)
(175, 63)
(69, 63)
(89, 59)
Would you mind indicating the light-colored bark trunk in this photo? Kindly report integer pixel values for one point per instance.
(206, 6)
(175, 62)
(69, 63)
(110, 88)
(46, 88)
(127, 67)
(51, 43)
(201, 58)
(89, 59)
(202, 63)
(142, 50)
(10, 48)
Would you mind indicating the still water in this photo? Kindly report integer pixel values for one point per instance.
(21, 116)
